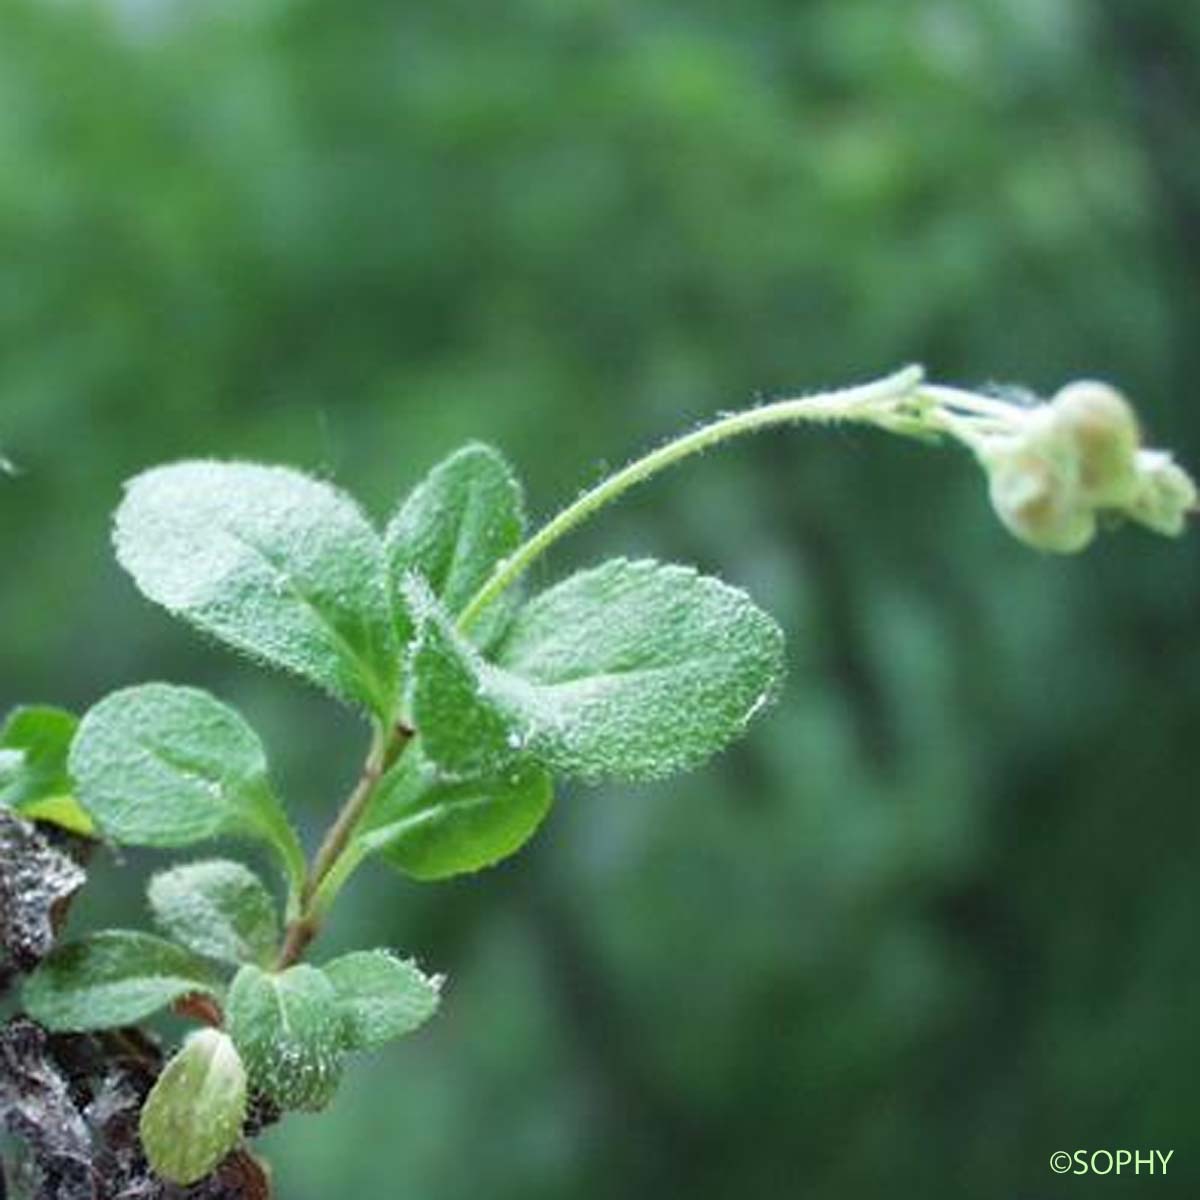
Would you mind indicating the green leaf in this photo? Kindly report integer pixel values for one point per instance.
(34, 779)
(281, 566)
(217, 908)
(455, 526)
(465, 728)
(193, 1115)
(110, 979)
(631, 670)
(382, 997)
(638, 670)
(431, 828)
(160, 765)
(290, 1031)
(38, 738)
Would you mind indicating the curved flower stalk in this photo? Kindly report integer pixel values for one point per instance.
(1055, 470)
(478, 697)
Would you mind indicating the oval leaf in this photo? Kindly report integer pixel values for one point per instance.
(110, 979)
(289, 1029)
(281, 566)
(639, 669)
(160, 765)
(632, 670)
(217, 908)
(434, 829)
(455, 526)
(382, 997)
(193, 1115)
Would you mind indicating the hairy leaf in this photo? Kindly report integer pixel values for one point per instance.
(217, 908)
(160, 765)
(112, 978)
(193, 1115)
(431, 828)
(281, 566)
(464, 728)
(289, 1028)
(382, 997)
(631, 670)
(640, 669)
(34, 779)
(454, 527)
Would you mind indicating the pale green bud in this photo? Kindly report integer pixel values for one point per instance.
(193, 1115)
(1102, 431)
(1165, 493)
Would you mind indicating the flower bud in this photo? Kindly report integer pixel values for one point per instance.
(193, 1115)
(1102, 431)
(1033, 482)
(1165, 493)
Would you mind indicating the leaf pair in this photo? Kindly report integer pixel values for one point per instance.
(213, 911)
(287, 1035)
(630, 670)
(294, 1027)
(289, 570)
(291, 1027)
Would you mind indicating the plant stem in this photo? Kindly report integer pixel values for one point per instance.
(860, 403)
(343, 867)
(300, 933)
(900, 402)
(385, 748)
(339, 833)
(971, 402)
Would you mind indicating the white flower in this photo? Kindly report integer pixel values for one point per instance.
(1103, 432)
(1165, 493)
(1057, 471)
(1035, 487)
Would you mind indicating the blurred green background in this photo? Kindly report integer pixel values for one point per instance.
(936, 917)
